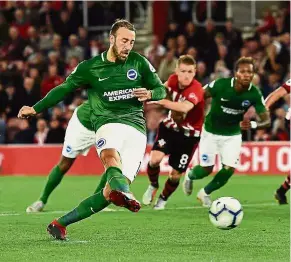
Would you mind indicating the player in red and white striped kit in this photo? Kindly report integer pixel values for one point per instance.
(179, 133)
(283, 90)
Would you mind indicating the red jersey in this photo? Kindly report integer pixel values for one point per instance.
(192, 124)
(287, 86)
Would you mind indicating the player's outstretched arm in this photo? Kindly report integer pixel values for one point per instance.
(275, 96)
(183, 107)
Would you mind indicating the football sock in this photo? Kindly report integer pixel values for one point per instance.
(169, 189)
(153, 174)
(219, 180)
(102, 183)
(285, 186)
(117, 180)
(198, 172)
(86, 208)
(54, 178)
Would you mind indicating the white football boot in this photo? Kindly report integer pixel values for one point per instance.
(204, 198)
(187, 185)
(160, 204)
(149, 195)
(37, 206)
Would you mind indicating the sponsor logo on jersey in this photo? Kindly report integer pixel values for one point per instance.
(68, 149)
(102, 79)
(231, 111)
(131, 74)
(205, 157)
(224, 99)
(122, 94)
(246, 103)
(100, 143)
(162, 142)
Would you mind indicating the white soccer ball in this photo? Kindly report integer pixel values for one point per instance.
(226, 213)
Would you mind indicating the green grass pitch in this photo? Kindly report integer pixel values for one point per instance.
(180, 233)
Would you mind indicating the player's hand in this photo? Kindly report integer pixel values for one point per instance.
(26, 112)
(245, 124)
(142, 94)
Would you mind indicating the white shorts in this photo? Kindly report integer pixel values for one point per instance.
(128, 142)
(227, 147)
(78, 139)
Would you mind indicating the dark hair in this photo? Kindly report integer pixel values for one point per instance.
(121, 23)
(244, 60)
(187, 60)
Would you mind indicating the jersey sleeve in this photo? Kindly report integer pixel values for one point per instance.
(259, 103)
(195, 95)
(151, 80)
(213, 87)
(286, 86)
(75, 80)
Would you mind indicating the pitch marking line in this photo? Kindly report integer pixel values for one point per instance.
(7, 213)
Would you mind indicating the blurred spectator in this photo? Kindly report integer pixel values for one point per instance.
(10, 101)
(182, 11)
(32, 43)
(171, 33)
(21, 24)
(268, 22)
(30, 96)
(45, 40)
(41, 133)
(261, 135)
(74, 50)
(53, 59)
(74, 61)
(220, 70)
(233, 37)
(57, 46)
(83, 37)
(171, 44)
(181, 45)
(64, 27)
(94, 49)
(56, 133)
(25, 134)
(2, 128)
(279, 27)
(279, 130)
(4, 29)
(155, 52)
(201, 73)
(192, 35)
(193, 52)
(51, 81)
(13, 48)
(167, 66)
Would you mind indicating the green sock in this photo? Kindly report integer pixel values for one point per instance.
(198, 172)
(102, 183)
(117, 180)
(219, 180)
(86, 208)
(54, 178)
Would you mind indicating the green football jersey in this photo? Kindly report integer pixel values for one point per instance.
(84, 115)
(110, 89)
(228, 106)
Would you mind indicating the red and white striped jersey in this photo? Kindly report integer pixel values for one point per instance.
(286, 85)
(192, 124)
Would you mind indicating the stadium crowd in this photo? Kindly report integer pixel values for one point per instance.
(42, 42)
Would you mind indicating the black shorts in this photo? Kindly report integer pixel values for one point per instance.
(179, 147)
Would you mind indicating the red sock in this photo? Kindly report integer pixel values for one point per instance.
(153, 174)
(169, 189)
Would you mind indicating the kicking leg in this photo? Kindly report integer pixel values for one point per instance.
(280, 194)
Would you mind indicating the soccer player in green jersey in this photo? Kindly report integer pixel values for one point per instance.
(120, 81)
(221, 134)
(79, 137)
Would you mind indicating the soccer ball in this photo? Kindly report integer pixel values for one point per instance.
(226, 213)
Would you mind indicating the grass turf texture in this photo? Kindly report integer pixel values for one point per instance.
(181, 233)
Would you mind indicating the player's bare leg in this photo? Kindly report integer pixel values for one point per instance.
(153, 171)
(280, 194)
(54, 178)
(170, 187)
